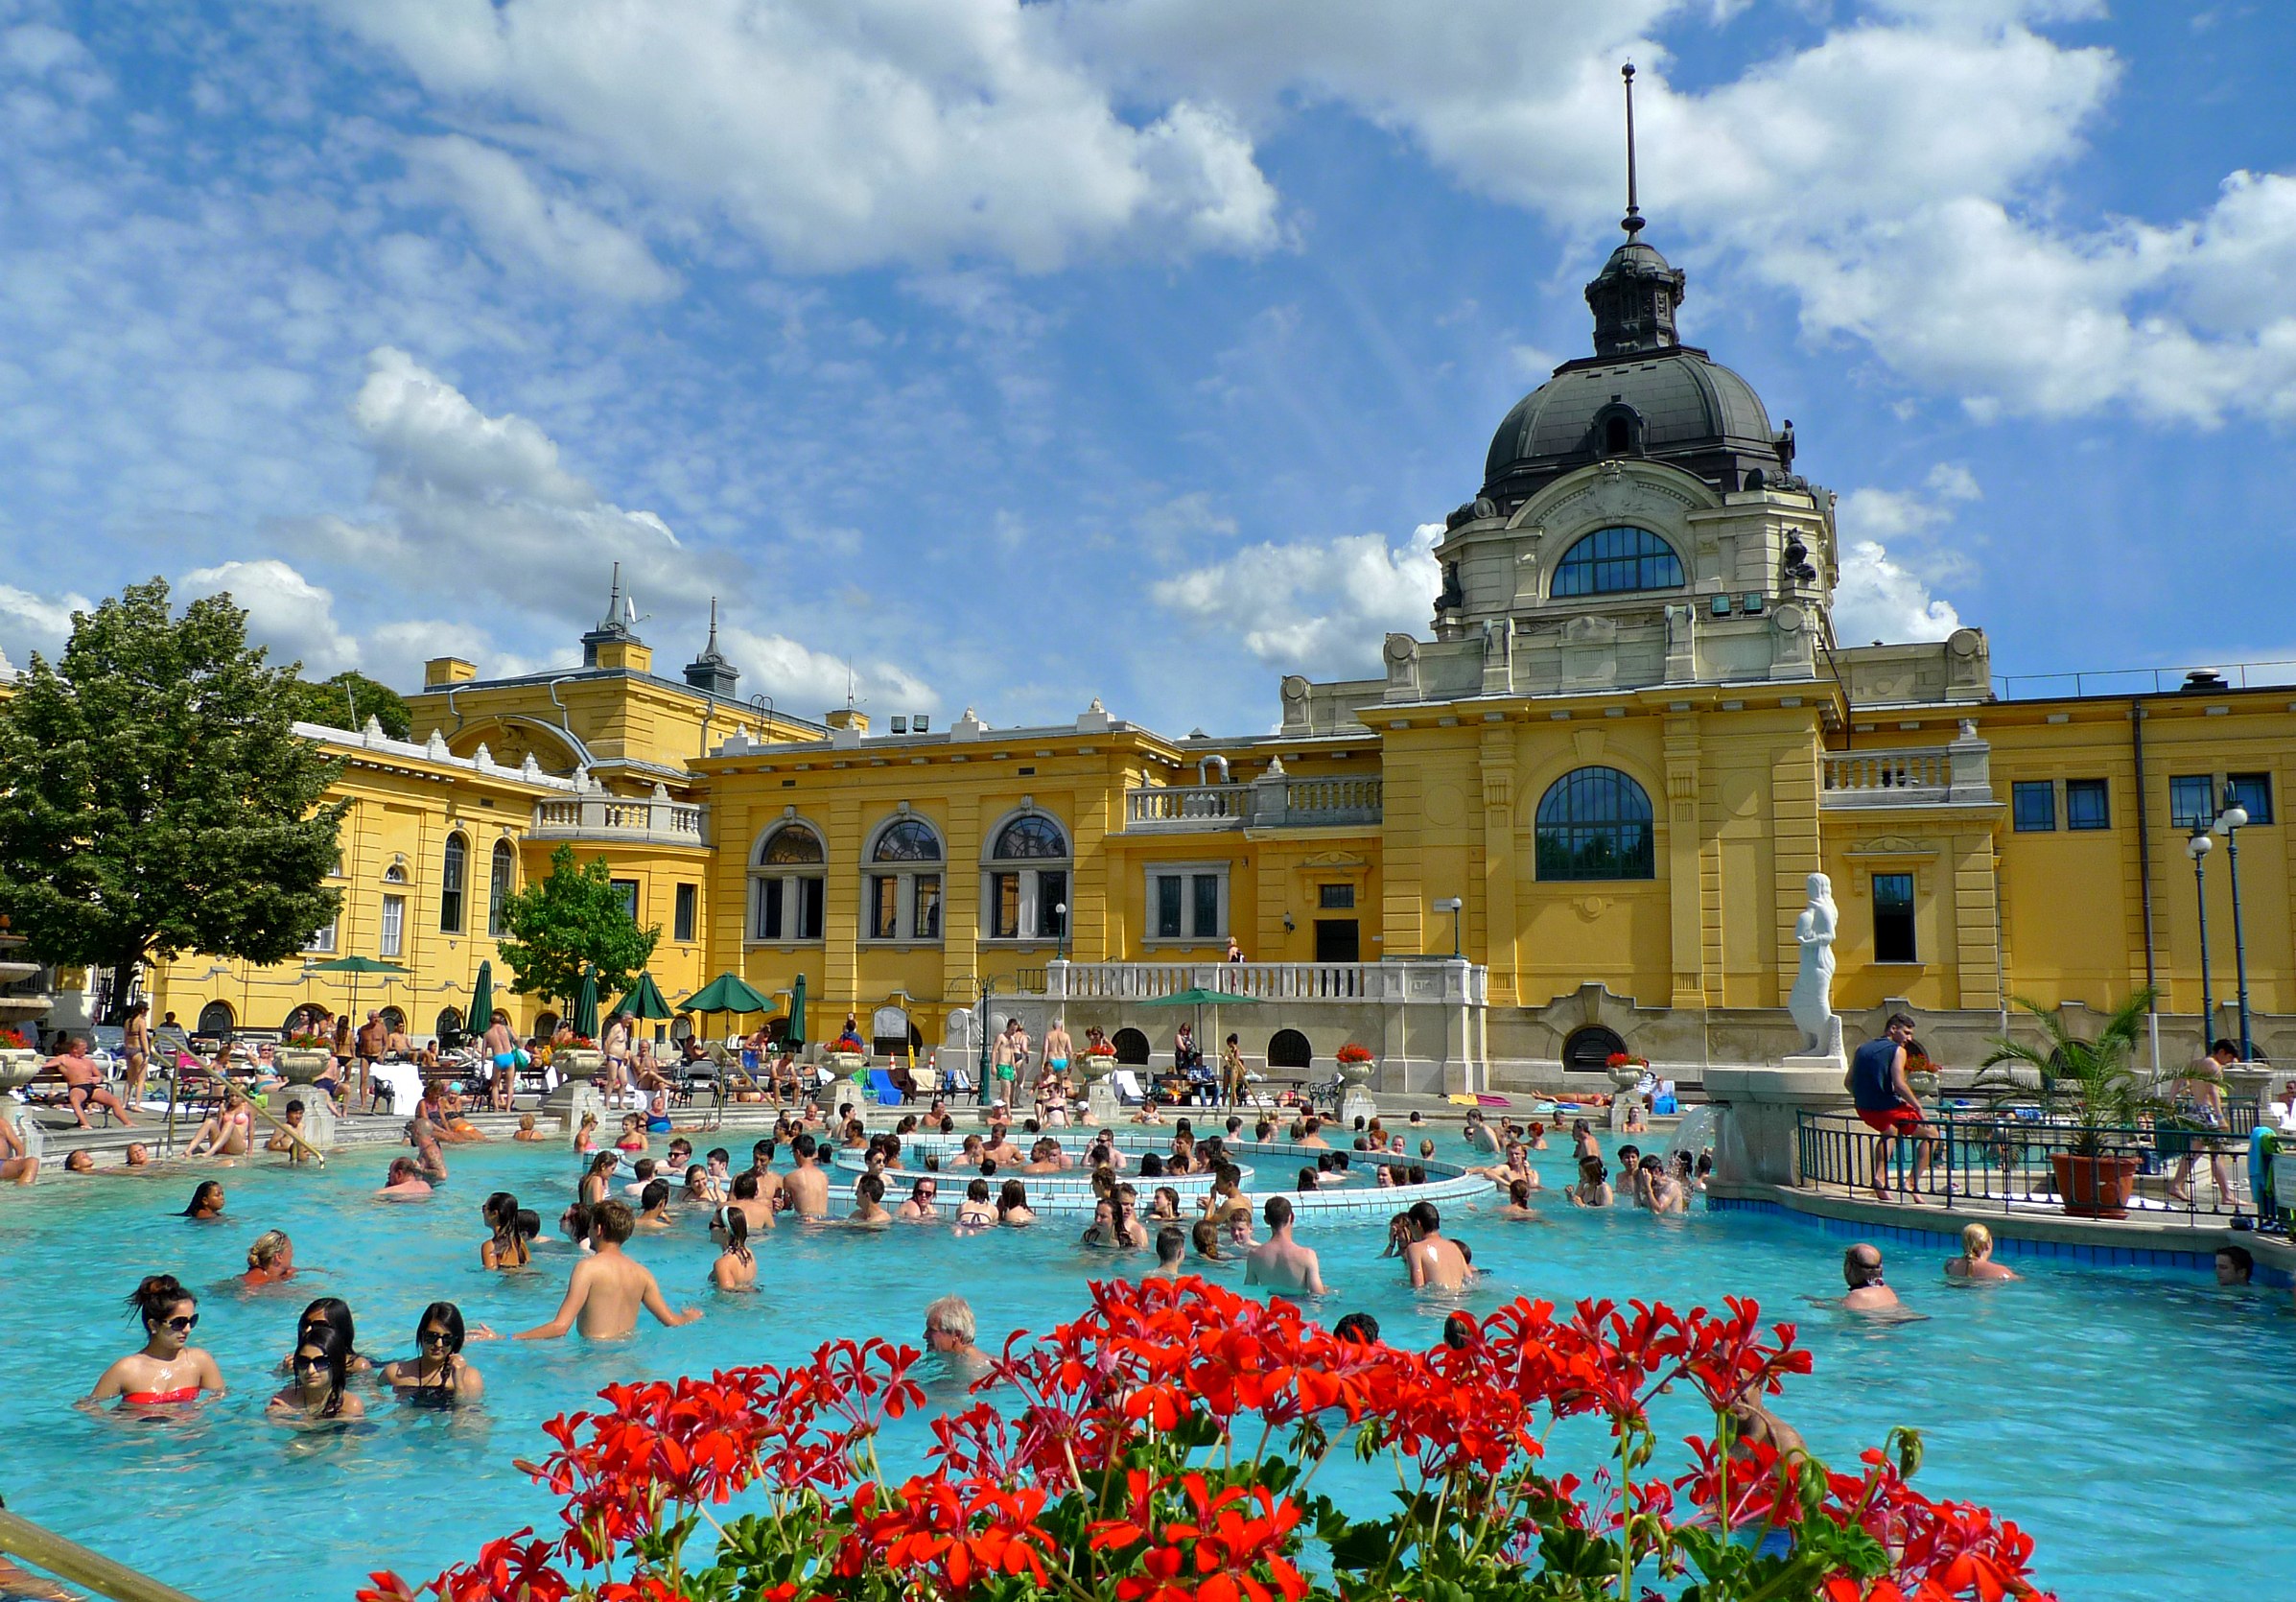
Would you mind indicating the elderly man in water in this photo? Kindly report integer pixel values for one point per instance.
(1861, 1272)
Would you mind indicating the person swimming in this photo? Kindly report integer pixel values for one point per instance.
(506, 1247)
(977, 1208)
(869, 1198)
(737, 1266)
(168, 1370)
(1012, 1204)
(438, 1375)
(271, 1260)
(313, 1392)
(403, 1181)
(597, 1182)
(336, 1313)
(920, 1207)
(206, 1202)
(1975, 1261)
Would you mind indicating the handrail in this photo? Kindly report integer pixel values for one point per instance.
(68, 1560)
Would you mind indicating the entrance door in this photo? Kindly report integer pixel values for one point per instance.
(1337, 940)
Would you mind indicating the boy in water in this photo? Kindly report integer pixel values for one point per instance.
(607, 1288)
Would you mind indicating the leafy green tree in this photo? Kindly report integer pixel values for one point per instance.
(348, 699)
(572, 918)
(154, 798)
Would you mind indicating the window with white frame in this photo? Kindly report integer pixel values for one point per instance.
(902, 889)
(786, 884)
(454, 868)
(1187, 901)
(1025, 888)
(322, 939)
(393, 942)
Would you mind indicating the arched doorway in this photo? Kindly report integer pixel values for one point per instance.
(1289, 1049)
(1132, 1046)
(216, 1018)
(891, 1034)
(448, 1026)
(306, 1019)
(394, 1020)
(545, 1024)
(1589, 1050)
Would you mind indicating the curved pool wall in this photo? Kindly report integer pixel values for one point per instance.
(1068, 1194)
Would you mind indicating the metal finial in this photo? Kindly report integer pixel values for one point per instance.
(712, 647)
(614, 600)
(1632, 220)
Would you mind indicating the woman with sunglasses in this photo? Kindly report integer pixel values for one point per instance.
(168, 1370)
(921, 1208)
(334, 1313)
(438, 1375)
(313, 1392)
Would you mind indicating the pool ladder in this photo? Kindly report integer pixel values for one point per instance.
(68, 1560)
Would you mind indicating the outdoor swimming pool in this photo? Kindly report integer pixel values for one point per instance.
(2136, 1421)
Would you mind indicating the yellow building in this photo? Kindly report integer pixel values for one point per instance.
(1579, 818)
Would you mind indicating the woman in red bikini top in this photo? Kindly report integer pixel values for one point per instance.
(169, 1370)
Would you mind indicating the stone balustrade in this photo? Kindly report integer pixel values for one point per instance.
(1431, 980)
(635, 819)
(1274, 801)
(1909, 776)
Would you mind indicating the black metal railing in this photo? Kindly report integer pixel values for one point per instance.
(2015, 1158)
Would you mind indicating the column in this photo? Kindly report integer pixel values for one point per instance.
(1793, 849)
(1499, 923)
(1685, 866)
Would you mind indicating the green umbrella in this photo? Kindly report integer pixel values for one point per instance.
(726, 993)
(481, 1002)
(795, 1034)
(644, 1001)
(356, 965)
(1199, 998)
(585, 1007)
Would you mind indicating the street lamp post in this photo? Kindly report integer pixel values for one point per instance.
(1455, 907)
(2229, 823)
(2197, 847)
(988, 986)
(1060, 910)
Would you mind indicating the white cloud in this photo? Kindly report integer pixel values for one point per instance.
(1893, 177)
(839, 133)
(1319, 607)
(30, 621)
(1878, 596)
(286, 611)
(518, 222)
(805, 682)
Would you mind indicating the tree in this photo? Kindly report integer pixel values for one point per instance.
(154, 798)
(573, 918)
(348, 699)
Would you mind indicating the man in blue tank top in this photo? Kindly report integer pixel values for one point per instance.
(1887, 1102)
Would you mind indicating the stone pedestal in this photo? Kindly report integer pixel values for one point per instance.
(578, 1068)
(1357, 1103)
(16, 1067)
(318, 1118)
(1620, 1104)
(28, 1129)
(1755, 1108)
(1108, 1108)
(571, 1100)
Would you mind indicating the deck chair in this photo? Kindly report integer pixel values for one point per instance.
(1128, 1088)
(882, 1086)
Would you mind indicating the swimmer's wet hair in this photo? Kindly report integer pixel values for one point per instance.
(614, 1219)
(156, 1296)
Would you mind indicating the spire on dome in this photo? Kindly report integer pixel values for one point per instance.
(710, 671)
(1634, 296)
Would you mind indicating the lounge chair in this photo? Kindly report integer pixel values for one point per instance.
(1128, 1088)
(882, 1086)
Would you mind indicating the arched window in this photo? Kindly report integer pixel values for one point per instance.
(215, 1019)
(448, 1025)
(452, 869)
(391, 940)
(1595, 823)
(1612, 562)
(786, 884)
(1024, 893)
(1132, 1046)
(1589, 1050)
(501, 881)
(1289, 1049)
(1618, 436)
(394, 1020)
(903, 903)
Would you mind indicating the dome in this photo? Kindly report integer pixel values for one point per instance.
(1669, 404)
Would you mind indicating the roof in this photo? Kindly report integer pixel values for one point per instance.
(1688, 404)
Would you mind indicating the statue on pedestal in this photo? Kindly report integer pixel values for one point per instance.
(1812, 1002)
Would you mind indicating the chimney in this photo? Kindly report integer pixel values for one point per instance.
(448, 669)
(847, 717)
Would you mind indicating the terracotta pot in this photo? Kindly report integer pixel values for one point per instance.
(2094, 1187)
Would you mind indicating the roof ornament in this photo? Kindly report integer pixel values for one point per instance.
(1632, 220)
(612, 620)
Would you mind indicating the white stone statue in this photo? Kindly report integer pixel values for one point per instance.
(1812, 1002)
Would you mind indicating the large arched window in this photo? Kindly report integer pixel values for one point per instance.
(1595, 823)
(453, 868)
(904, 888)
(1611, 562)
(786, 884)
(501, 880)
(1025, 888)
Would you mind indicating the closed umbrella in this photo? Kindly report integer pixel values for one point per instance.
(796, 1033)
(585, 1007)
(481, 1002)
(643, 999)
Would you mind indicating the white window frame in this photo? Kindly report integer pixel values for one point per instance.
(454, 879)
(500, 886)
(1185, 873)
(1030, 917)
(781, 881)
(390, 936)
(322, 941)
(905, 875)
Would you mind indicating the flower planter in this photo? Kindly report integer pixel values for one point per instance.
(1627, 1075)
(2094, 1187)
(301, 1065)
(1096, 1068)
(578, 1061)
(16, 1067)
(1358, 1074)
(1924, 1082)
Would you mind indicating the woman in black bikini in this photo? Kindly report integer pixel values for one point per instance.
(438, 1375)
(506, 1246)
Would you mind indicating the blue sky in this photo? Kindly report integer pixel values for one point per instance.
(1013, 355)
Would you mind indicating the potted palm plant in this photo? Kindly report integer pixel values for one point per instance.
(2094, 1088)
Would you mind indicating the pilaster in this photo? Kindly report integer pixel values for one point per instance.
(1500, 926)
(1686, 885)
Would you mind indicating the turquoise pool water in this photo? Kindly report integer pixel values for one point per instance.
(2136, 1421)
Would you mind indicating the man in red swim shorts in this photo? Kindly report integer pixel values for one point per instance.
(1887, 1102)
